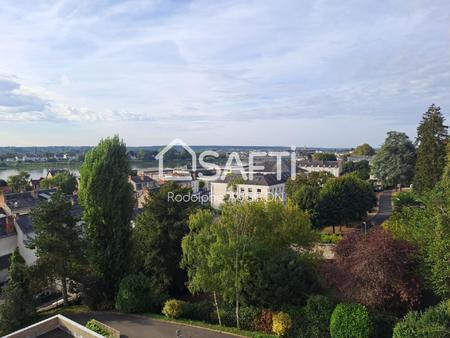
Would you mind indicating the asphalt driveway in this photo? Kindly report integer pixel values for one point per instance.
(137, 326)
(384, 207)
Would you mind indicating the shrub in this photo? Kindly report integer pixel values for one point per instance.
(92, 325)
(434, 322)
(248, 317)
(350, 320)
(330, 238)
(173, 308)
(281, 323)
(263, 321)
(281, 279)
(198, 311)
(135, 294)
(315, 316)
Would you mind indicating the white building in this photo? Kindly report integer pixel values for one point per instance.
(332, 167)
(261, 186)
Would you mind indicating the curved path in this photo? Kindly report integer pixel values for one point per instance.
(137, 326)
(384, 207)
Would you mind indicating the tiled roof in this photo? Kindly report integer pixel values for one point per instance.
(24, 223)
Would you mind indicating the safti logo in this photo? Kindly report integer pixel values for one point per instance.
(234, 163)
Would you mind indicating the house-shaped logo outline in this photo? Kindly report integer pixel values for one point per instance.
(175, 142)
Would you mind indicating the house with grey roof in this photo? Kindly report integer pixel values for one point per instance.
(261, 186)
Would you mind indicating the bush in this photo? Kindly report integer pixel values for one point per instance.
(350, 320)
(92, 325)
(282, 279)
(263, 321)
(315, 317)
(281, 323)
(135, 294)
(248, 317)
(173, 308)
(198, 311)
(434, 322)
(330, 238)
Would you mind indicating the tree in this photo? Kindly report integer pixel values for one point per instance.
(195, 246)
(19, 182)
(314, 179)
(107, 201)
(345, 199)
(315, 316)
(324, 156)
(363, 150)
(428, 228)
(432, 138)
(66, 182)
(57, 240)
(394, 162)
(434, 322)
(141, 154)
(350, 320)
(18, 308)
(280, 278)
(387, 265)
(361, 169)
(136, 294)
(244, 231)
(157, 238)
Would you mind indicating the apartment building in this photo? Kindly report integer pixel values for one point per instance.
(332, 167)
(261, 186)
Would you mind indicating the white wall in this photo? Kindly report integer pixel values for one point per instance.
(7, 244)
(27, 254)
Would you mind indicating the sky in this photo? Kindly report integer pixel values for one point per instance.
(279, 72)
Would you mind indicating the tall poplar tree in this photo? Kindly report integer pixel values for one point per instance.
(432, 137)
(107, 201)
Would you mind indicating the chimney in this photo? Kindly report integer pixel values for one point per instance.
(2, 199)
(142, 176)
(9, 225)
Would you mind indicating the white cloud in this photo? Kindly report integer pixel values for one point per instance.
(199, 60)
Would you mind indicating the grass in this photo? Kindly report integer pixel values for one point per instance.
(225, 329)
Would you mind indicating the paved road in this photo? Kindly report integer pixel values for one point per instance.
(384, 207)
(136, 326)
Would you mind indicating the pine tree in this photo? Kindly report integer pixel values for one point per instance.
(107, 201)
(432, 138)
(18, 308)
(57, 240)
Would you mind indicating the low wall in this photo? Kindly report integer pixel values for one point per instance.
(52, 323)
(113, 333)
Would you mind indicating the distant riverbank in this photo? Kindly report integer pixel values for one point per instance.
(37, 170)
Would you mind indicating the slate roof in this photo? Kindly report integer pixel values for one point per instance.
(141, 179)
(259, 179)
(4, 261)
(24, 223)
(321, 164)
(19, 201)
(3, 183)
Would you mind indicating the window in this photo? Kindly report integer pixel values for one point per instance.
(258, 190)
(250, 190)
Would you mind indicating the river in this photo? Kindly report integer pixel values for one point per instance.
(37, 170)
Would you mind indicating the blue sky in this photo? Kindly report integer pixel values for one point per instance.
(279, 72)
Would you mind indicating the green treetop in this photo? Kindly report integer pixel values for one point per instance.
(432, 138)
(107, 201)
